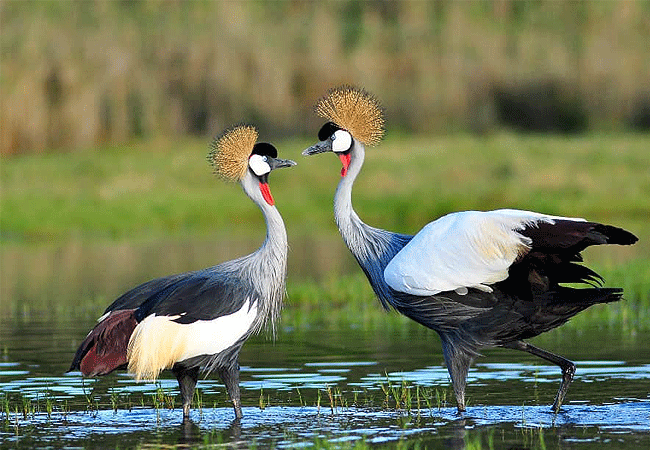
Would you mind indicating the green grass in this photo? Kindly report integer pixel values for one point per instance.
(161, 188)
(96, 223)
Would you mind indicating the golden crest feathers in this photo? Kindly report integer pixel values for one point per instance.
(230, 152)
(355, 110)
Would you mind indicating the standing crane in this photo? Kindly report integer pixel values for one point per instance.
(200, 320)
(479, 279)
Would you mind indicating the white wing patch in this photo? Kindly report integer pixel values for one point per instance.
(470, 249)
(158, 342)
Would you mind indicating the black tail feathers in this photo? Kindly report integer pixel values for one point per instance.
(615, 235)
(587, 297)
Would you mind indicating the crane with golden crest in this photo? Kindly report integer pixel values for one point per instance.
(200, 320)
(478, 278)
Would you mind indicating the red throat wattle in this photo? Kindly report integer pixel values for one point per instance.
(266, 193)
(345, 160)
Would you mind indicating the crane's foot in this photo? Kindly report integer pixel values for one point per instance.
(568, 371)
(186, 411)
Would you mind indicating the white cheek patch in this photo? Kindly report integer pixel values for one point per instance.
(258, 165)
(341, 141)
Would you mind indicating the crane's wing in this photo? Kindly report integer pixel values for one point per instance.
(200, 315)
(201, 296)
(474, 249)
(135, 297)
(191, 296)
(166, 320)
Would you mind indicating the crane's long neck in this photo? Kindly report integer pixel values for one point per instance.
(267, 266)
(373, 248)
(271, 259)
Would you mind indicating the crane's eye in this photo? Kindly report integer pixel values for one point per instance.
(341, 141)
(259, 164)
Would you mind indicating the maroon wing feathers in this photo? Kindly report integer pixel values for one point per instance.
(104, 349)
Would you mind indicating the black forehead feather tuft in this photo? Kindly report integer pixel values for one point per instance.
(327, 130)
(265, 149)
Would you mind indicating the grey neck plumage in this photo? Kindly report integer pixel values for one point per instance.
(372, 247)
(266, 268)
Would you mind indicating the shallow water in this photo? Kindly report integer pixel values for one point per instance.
(313, 386)
(587, 425)
(331, 385)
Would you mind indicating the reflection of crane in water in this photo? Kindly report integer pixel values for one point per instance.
(479, 279)
(200, 319)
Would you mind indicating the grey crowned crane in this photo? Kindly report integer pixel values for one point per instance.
(200, 320)
(479, 279)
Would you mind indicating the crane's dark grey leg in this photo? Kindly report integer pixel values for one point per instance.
(568, 368)
(230, 377)
(187, 383)
(458, 363)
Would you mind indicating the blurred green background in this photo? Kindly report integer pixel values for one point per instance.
(76, 74)
(107, 109)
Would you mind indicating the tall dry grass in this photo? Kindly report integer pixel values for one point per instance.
(75, 74)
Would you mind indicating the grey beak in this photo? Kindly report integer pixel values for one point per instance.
(277, 163)
(321, 147)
